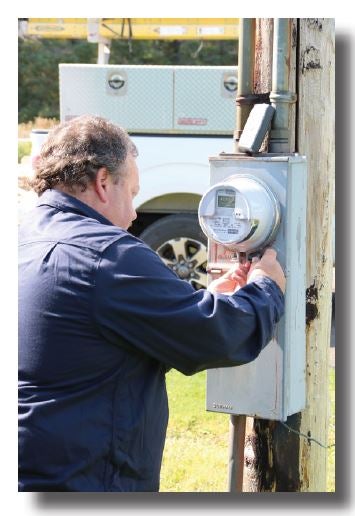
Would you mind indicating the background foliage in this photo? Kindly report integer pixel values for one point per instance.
(39, 59)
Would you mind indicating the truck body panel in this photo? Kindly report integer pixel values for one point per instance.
(174, 165)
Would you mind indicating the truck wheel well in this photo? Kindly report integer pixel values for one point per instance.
(143, 221)
(162, 206)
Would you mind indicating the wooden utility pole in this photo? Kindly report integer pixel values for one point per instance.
(316, 139)
(276, 458)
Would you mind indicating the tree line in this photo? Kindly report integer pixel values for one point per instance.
(38, 61)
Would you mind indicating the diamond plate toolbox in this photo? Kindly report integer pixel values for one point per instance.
(152, 99)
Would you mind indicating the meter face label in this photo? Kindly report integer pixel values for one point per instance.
(228, 230)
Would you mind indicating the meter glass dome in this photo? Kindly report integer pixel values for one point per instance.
(241, 212)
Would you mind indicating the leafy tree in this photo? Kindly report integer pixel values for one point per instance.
(39, 77)
(187, 52)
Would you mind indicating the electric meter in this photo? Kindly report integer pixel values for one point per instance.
(241, 212)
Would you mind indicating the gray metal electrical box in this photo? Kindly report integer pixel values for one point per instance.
(273, 186)
(152, 99)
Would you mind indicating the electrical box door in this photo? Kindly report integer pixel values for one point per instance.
(255, 202)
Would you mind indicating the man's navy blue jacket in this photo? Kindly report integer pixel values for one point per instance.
(101, 320)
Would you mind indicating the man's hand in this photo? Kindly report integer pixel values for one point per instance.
(268, 266)
(232, 280)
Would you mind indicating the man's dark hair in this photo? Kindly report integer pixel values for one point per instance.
(76, 150)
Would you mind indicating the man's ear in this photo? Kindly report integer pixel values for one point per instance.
(101, 184)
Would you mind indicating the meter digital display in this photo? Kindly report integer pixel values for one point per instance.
(242, 212)
(225, 200)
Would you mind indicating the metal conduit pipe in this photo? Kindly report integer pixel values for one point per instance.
(280, 96)
(246, 58)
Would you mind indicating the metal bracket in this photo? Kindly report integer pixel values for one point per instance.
(253, 98)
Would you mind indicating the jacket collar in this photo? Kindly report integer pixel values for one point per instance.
(66, 202)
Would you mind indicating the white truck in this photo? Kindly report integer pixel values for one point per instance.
(177, 116)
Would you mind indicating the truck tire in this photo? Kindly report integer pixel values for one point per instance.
(181, 244)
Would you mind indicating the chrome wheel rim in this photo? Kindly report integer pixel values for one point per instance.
(187, 258)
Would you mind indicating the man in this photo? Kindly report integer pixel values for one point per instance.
(101, 320)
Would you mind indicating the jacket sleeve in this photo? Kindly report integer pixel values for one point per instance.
(140, 304)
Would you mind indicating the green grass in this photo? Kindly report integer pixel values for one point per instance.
(196, 450)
